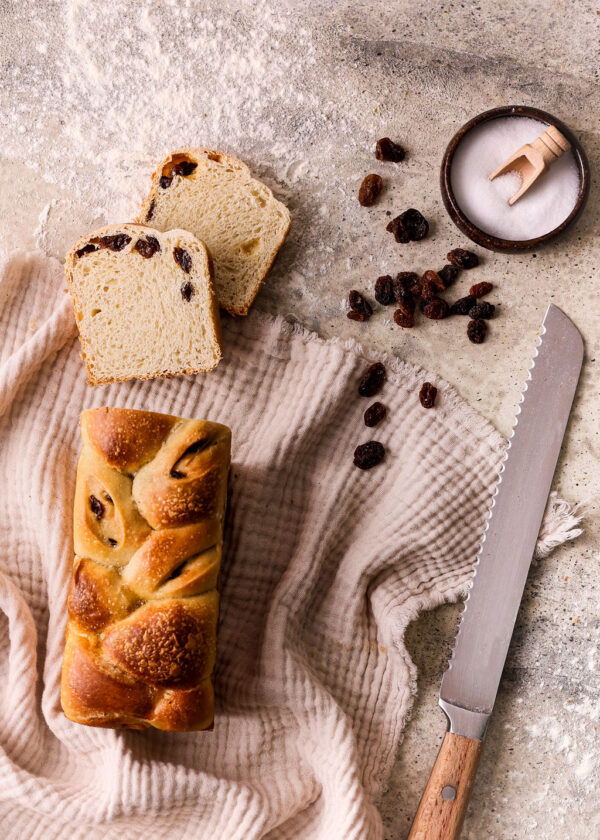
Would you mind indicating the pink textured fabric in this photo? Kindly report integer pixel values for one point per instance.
(324, 567)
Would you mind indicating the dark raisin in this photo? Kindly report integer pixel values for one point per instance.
(483, 309)
(407, 305)
(369, 190)
(150, 212)
(372, 380)
(368, 455)
(387, 150)
(416, 224)
(480, 289)
(427, 395)
(404, 319)
(357, 316)
(184, 167)
(183, 259)
(462, 306)
(409, 226)
(165, 181)
(147, 247)
(112, 542)
(449, 273)
(87, 249)
(397, 227)
(384, 290)
(436, 309)
(359, 304)
(375, 414)
(96, 507)
(187, 290)
(427, 290)
(403, 283)
(462, 258)
(434, 278)
(193, 448)
(116, 242)
(176, 474)
(108, 498)
(476, 331)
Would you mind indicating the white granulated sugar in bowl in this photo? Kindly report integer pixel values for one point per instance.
(543, 207)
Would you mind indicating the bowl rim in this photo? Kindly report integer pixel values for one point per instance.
(477, 234)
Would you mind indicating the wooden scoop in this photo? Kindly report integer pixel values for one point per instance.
(533, 158)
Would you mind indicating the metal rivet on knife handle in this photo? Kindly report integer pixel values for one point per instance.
(444, 803)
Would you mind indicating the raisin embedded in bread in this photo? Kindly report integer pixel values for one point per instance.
(144, 303)
(214, 196)
(143, 602)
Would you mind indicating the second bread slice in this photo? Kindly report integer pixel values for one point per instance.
(215, 197)
(144, 303)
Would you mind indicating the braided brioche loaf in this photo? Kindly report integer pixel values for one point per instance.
(143, 602)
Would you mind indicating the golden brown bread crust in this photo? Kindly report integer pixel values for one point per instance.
(143, 603)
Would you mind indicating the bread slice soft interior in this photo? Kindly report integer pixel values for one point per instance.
(144, 303)
(214, 196)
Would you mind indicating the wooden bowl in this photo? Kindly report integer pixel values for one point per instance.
(481, 237)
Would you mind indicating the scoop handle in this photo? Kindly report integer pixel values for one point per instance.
(444, 803)
(551, 144)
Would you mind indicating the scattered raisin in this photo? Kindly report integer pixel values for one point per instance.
(407, 305)
(165, 181)
(116, 242)
(427, 395)
(369, 190)
(476, 331)
(368, 455)
(184, 167)
(359, 305)
(372, 380)
(96, 507)
(187, 290)
(87, 249)
(449, 273)
(462, 258)
(112, 542)
(404, 319)
(483, 309)
(387, 150)
(403, 284)
(436, 309)
(147, 247)
(150, 212)
(462, 306)
(384, 290)
(375, 414)
(426, 290)
(397, 227)
(176, 474)
(357, 316)
(434, 278)
(480, 289)
(409, 226)
(183, 259)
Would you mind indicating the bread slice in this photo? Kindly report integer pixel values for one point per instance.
(214, 196)
(144, 303)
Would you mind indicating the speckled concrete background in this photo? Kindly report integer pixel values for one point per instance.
(92, 97)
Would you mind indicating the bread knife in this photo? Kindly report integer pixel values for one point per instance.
(470, 684)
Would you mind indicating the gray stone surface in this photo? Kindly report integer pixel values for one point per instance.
(92, 94)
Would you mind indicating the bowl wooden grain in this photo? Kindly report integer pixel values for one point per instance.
(488, 240)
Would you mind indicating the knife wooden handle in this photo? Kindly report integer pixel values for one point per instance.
(444, 803)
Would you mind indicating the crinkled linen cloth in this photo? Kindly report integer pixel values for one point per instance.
(325, 566)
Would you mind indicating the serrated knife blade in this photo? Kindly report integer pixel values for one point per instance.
(470, 684)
